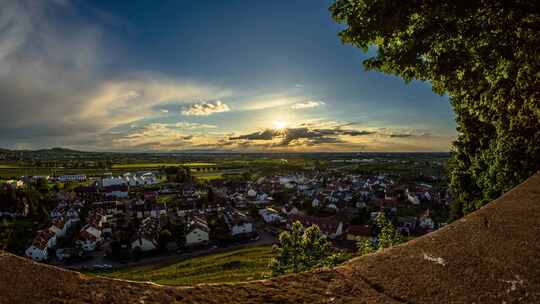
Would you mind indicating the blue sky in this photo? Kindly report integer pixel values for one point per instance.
(202, 75)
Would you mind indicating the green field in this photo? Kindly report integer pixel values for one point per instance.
(248, 263)
(7, 166)
(157, 165)
(209, 177)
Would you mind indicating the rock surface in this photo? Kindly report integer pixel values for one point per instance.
(489, 256)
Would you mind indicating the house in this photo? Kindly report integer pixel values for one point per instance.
(252, 193)
(238, 223)
(59, 227)
(89, 237)
(197, 231)
(72, 178)
(355, 232)
(37, 252)
(116, 191)
(56, 213)
(289, 210)
(406, 225)
(329, 226)
(113, 181)
(147, 235)
(411, 197)
(426, 222)
(271, 216)
(72, 213)
(15, 184)
(43, 241)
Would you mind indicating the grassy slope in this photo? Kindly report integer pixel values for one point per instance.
(248, 263)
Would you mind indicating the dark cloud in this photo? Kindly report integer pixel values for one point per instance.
(267, 134)
(302, 135)
(400, 135)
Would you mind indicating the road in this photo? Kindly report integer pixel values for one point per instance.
(265, 238)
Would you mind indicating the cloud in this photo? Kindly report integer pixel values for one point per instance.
(193, 125)
(400, 135)
(302, 135)
(307, 105)
(51, 63)
(205, 108)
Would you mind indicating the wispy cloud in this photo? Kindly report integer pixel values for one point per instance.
(51, 60)
(205, 108)
(307, 105)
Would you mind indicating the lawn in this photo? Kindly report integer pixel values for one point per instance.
(248, 263)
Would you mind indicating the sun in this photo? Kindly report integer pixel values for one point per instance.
(280, 125)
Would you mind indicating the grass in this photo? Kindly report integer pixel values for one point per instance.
(157, 165)
(7, 166)
(248, 263)
(209, 177)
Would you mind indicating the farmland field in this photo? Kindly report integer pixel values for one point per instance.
(248, 263)
(157, 165)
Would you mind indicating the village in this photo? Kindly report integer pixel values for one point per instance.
(139, 216)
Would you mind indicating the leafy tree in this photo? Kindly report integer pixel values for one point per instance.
(486, 56)
(165, 236)
(302, 249)
(179, 235)
(360, 217)
(388, 236)
(365, 247)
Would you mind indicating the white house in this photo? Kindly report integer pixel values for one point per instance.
(411, 197)
(198, 232)
(113, 181)
(238, 223)
(252, 193)
(147, 235)
(144, 244)
(37, 253)
(43, 241)
(90, 237)
(72, 178)
(270, 215)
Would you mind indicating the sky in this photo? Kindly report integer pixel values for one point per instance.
(243, 76)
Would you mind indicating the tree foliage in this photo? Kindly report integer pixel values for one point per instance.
(486, 56)
(388, 236)
(302, 249)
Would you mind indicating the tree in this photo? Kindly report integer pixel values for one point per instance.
(302, 249)
(360, 217)
(165, 236)
(179, 235)
(486, 56)
(388, 236)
